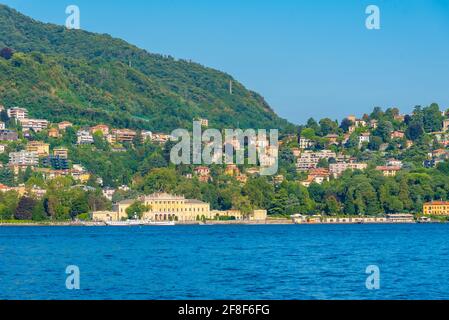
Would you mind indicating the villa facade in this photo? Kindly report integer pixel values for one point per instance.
(167, 207)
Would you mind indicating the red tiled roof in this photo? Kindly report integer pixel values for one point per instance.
(437, 203)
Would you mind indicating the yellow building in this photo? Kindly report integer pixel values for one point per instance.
(440, 208)
(41, 148)
(81, 176)
(236, 214)
(258, 215)
(167, 207)
(104, 216)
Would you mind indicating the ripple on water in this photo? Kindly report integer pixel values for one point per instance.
(226, 262)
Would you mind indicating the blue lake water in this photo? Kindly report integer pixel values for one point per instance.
(226, 262)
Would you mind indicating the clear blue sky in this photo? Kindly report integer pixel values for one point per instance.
(307, 58)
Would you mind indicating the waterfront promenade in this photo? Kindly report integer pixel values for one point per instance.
(325, 221)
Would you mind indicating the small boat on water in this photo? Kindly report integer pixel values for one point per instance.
(126, 223)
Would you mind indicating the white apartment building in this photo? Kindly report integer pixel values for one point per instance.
(336, 169)
(17, 113)
(24, 158)
(394, 163)
(35, 124)
(305, 143)
(161, 138)
(108, 193)
(309, 160)
(84, 137)
(364, 137)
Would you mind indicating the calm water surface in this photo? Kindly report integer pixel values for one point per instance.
(226, 262)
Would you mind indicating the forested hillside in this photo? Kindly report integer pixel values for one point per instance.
(84, 77)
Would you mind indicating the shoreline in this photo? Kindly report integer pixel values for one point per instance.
(195, 223)
(187, 223)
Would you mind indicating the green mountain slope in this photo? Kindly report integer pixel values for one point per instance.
(89, 78)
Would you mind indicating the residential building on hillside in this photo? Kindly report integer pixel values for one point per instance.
(64, 125)
(56, 163)
(305, 143)
(17, 113)
(53, 133)
(36, 125)
(364, 138)
(358, 123)
(161, 138)
(41, 148)
(309, 160)
(61, 152)
(203, 173)
(337, 169)
(8, 135)
(394, 163)
(397, 135)
(79, 173)
(332, 138)
(84, 137)
(108, 193)
(122, 135)
(318, 175)
(2, 125)
(104, 129)
(23, 158)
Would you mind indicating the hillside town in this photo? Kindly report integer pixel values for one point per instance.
(38, 156)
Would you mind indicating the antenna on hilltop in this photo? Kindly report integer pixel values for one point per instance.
(230, 87)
